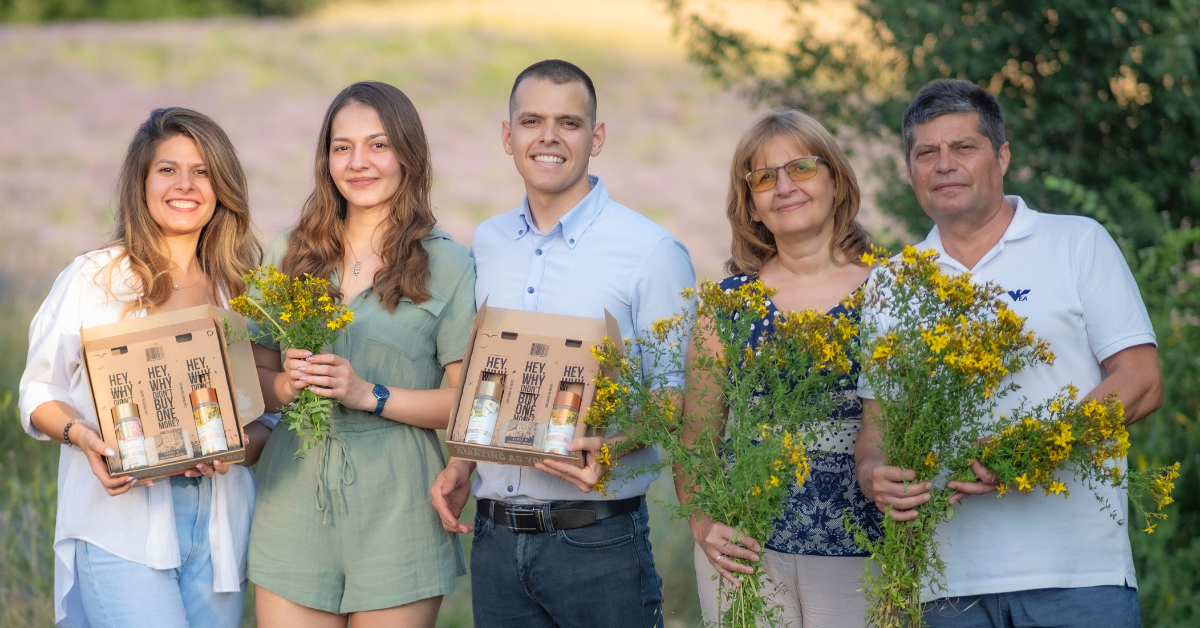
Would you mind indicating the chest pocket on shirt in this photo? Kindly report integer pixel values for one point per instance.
(409, 330)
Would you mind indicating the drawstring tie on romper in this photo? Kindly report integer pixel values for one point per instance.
(345, 476)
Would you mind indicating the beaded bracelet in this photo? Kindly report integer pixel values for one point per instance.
(67, 435)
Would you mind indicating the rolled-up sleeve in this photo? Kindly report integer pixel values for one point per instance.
(658, 293)
(54, 359)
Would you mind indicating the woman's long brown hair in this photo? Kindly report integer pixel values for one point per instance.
(317, 244)
(753, 243)
(227, 248)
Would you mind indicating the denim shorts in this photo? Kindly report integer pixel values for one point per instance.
(598, 576)
(118, 593)
(1084, 607)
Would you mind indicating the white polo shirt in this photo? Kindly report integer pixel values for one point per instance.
(1067, 277)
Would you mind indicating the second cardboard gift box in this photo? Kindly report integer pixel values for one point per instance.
(527, 386)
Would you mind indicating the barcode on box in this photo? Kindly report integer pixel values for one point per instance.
(154, 353)
(540, 350)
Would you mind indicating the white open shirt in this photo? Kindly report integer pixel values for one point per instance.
(1066, 275)
(138, 525)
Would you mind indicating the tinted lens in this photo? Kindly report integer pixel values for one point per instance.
(761, 180)
(801, 169)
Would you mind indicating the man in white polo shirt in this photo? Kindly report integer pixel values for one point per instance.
(1027, 559)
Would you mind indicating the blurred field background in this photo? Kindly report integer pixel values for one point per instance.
(1099, 103)
(72, 92)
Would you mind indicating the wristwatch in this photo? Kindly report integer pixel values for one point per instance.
(381, 393)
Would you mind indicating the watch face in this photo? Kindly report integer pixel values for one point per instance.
(381, 392)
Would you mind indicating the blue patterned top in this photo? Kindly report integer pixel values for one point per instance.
(812, 515)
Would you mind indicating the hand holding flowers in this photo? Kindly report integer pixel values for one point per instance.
(754, 402)
(940, 354)
(299, 314)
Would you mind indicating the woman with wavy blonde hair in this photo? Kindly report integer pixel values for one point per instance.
(171, 552)
(348, 532)
(793, 202)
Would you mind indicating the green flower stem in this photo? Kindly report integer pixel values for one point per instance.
(282, 333)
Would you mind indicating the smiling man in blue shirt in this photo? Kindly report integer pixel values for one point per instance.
(567, 249)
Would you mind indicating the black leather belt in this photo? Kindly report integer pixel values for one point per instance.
(563, 515)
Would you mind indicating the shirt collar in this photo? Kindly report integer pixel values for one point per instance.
(573, 223)
(1024, 222)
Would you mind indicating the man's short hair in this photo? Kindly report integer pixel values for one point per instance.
(557, 72)
(946, 96)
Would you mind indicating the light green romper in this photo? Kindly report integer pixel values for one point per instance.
(351, 526)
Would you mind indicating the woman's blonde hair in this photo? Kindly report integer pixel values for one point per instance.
(753, 243)
(227, 248)
(317, 244)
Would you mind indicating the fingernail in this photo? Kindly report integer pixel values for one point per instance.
(108, 452)
(302, 369)
(130, 480)
(149, 482)
(200, 465)
(304, 378)
(308, 353)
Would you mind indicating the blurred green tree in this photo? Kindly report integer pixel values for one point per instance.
(1108, 97)
(1102, 103)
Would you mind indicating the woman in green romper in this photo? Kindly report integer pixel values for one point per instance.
(348, 532)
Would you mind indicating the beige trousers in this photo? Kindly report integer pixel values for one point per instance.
(815, 591)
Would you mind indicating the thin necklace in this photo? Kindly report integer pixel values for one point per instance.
(357, 263)
(176, 286)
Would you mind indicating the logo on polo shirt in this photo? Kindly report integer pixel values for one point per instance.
(1019, 295)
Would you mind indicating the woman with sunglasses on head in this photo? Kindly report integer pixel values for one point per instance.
(170, 552)
(792, 203)
(348, 533)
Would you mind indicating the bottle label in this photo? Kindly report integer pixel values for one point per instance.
(562, 430)
(482, 424)
(130, 444)
(210, 428)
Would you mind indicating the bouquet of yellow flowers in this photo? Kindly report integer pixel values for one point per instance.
(780, 390)
(296, 313)
(940, 352)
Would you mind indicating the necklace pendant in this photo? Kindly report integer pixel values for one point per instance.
(357, 268)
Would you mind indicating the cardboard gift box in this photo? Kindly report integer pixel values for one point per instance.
(156, 363)
(526, 363)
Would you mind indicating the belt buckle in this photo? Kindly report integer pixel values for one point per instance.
(525, 519)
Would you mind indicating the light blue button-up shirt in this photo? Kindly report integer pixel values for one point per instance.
(600, 255)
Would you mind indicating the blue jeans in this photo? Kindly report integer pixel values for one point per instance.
(1085, 607)
(597, 576)
(118, 593)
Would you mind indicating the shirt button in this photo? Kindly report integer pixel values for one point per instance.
(572, 242)
(539, 251)
(510, 489)
(529, 290)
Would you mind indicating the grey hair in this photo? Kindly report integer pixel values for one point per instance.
(946, 96)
